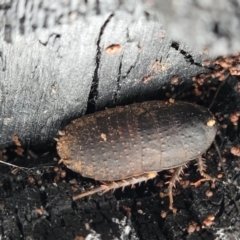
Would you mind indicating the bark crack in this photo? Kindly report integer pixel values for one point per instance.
(187, 56)
(93, 95)
(115, 95)
(133, 65)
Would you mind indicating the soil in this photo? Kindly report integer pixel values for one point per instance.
(36, 203)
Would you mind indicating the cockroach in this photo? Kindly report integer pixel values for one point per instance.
(126, 145)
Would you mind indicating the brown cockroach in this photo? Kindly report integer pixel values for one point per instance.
(130, 144)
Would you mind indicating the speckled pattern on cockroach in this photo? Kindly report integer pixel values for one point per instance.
(130, 144)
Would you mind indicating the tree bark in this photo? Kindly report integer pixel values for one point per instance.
(59, 61)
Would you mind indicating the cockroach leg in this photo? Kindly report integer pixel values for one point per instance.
(202, 168)
(174, 178)
(102, 188)
(105, 187)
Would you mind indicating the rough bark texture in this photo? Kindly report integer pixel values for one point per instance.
(60, 60)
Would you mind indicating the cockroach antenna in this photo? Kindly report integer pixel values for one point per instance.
(226, 176)
(22, 168)
(216, 93)
(218, 149)
(12, 165)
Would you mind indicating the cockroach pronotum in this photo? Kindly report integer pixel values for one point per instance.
(127, 145)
